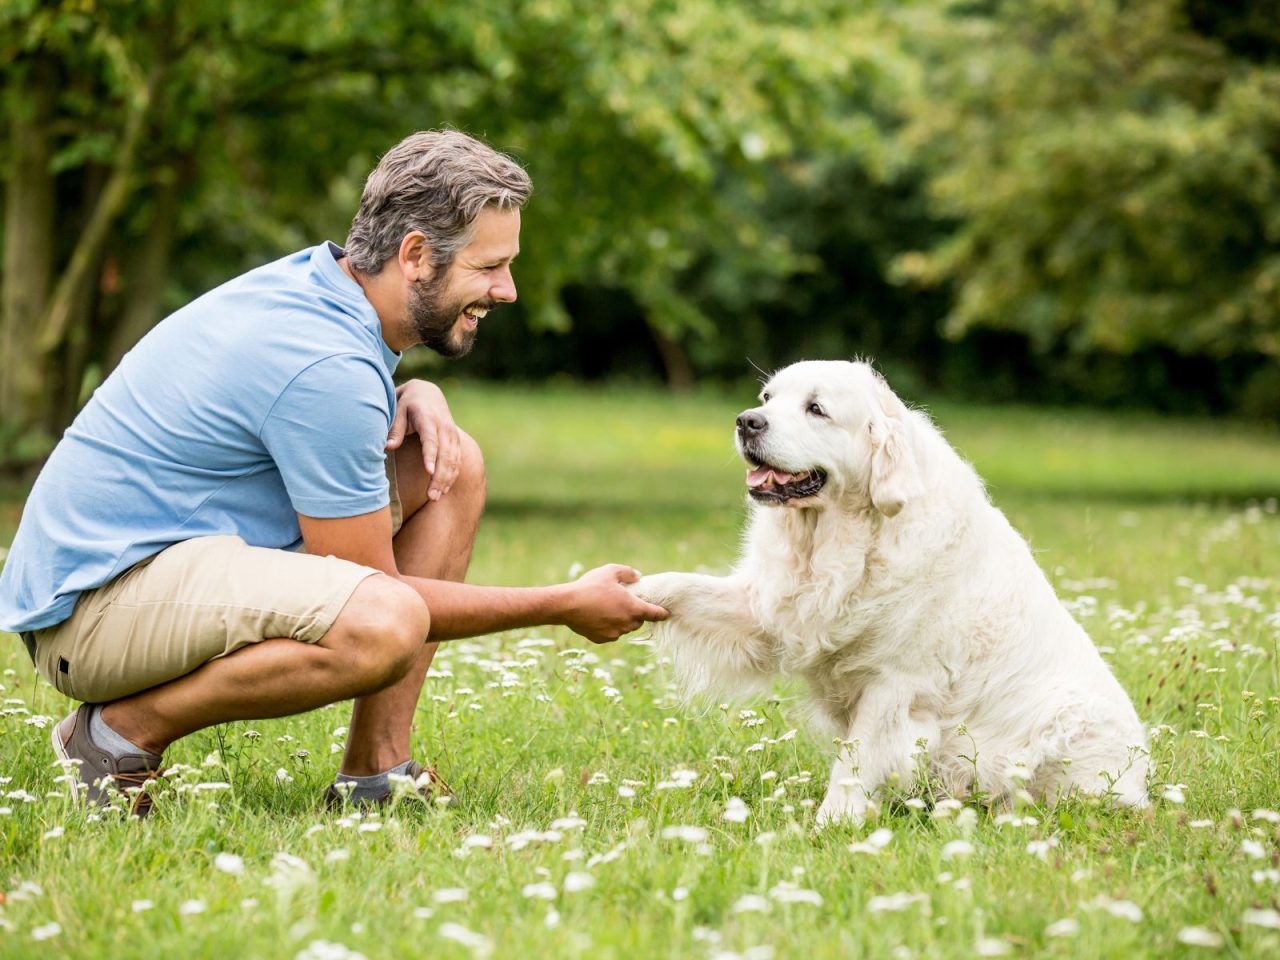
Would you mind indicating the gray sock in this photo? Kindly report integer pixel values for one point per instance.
(370, 788)
(106, 738)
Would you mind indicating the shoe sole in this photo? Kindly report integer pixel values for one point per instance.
(79, 788)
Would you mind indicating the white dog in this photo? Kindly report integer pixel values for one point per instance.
(876, 568)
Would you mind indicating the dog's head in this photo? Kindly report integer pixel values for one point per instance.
(826, 430)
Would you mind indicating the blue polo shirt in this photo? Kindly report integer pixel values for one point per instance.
(267, 397)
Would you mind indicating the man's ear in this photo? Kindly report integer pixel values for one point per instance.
(414, 257)
(895, 475)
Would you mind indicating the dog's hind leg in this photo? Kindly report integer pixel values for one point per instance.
(713, 638)
(884, 746)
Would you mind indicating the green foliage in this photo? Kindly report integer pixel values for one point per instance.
(715, 182)
(1166, 569)
(1113, 177)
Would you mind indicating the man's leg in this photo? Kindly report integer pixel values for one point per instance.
(434, 542)
(211, 629)
(374, 640)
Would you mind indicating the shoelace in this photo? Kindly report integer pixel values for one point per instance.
(437, 781)
(142, 801)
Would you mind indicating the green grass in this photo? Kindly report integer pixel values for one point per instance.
(1160, 534)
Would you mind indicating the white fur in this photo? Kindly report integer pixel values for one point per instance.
(930, 639)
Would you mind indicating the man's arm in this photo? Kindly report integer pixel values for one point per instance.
(596, 606)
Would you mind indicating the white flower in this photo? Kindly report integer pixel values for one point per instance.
(543, 891)
(1123, 909)
(1041, 848)
(337, 855)
(1253, 849)
(991, 947)
(571, 822)
(54, 833)
(229, 863)
(956, 849)
(685, 833)
(790, 893)
(895, 902)
(735, 811)
(282, 776)
(476, 942)
(1200, 824)
(751, 903)
(680, 780)
(51, 929)
(189, 908)
(1263, 918)
(522, 839)
(874, 843)
(1173, 793)
(450, 895)
(578, 881)
(1199, 937)
(478, 840)
(1062, 928)
(680, 893)
(141, 906)
(326, 950)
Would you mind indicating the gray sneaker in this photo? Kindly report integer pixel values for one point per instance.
(100, 773)
(428, 785)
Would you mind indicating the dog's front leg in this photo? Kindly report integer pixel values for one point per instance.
(883, 745)
(713, 637)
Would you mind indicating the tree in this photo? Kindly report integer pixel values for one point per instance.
(1112, 172)
(159, 147)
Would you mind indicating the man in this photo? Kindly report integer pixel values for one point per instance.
(248, 519)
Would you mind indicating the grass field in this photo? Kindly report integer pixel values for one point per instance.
(592, 819)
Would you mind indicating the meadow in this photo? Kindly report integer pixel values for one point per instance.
(600, 816)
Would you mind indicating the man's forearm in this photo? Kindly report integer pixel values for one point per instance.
(465, 610)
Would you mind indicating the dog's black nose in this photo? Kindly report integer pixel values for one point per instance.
(751, 424)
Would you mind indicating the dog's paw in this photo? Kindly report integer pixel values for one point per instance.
(663, 589)
(842, 808)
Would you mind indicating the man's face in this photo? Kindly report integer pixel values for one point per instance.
(445, 310)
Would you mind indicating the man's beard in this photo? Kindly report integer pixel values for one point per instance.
(435, 321)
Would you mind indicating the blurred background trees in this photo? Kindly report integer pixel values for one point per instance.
(1043, 200)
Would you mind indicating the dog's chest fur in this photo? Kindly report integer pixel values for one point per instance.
(843, 602)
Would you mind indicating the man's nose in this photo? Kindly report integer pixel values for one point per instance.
(503, 288)
(751, 423)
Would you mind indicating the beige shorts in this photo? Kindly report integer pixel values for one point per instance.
(191, 603)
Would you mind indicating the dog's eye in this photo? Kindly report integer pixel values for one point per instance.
(815, 408)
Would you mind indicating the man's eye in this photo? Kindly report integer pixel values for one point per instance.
(815, 408)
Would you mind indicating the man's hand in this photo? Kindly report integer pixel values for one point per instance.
(421, 409)
(601, 609)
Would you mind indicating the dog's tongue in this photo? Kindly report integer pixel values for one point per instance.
(761, 476)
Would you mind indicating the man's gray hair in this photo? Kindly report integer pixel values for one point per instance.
(438, 182)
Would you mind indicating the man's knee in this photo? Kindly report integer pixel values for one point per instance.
(471, 474)
(380, 631)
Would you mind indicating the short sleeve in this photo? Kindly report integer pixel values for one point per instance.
(327, 434)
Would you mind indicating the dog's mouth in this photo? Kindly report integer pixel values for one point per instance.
(768, 484)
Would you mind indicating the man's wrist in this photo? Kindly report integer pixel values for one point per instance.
(559, 602)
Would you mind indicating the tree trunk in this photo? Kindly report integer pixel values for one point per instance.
(28, 249)
(93, 238)
(146, 276)
(676, 367)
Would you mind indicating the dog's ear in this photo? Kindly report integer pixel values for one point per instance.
(895, 476)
